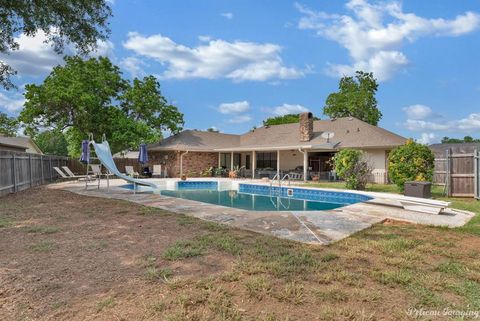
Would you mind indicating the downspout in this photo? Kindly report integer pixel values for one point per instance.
(181, 162)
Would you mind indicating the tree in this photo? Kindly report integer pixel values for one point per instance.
(411, 162)
(285, 119)
(355, 98)
(52, 142)
(144, 102)
(351, 166)
(466, 139)
(81, 23)
(90, 96)
(8, 125)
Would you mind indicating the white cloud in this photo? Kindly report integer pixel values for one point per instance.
(134, 66)
(36, 57)
(471, 123)
(467, 125)
(234, 108)
(418, 111)
(204, 38)
(104, 48)
(427, 138)
(238, 60)
(227, 15)
(238, 119)
(373, 34)
(11, 104)
(288, 109)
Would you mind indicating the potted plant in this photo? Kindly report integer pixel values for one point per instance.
(183, 177)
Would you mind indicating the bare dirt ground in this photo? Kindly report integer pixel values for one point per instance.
(69, 257)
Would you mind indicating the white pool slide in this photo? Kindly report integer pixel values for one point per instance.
(105, 156)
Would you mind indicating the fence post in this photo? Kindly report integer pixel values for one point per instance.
(448, 176)
(476, 179)
(30, 167)
(41, 167)
(51, 168)
(14, 174)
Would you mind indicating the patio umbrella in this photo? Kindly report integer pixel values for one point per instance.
(143, 154)
(85, 158)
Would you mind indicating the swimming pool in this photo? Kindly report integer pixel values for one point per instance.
(262, 197)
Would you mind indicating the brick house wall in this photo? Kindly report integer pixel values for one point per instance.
(193, 162)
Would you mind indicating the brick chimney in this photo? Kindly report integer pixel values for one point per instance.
(306, 127)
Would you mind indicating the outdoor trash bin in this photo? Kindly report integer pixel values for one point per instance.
(418, 189)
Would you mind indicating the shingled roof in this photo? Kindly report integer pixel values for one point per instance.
(347, 132)
(25, 144)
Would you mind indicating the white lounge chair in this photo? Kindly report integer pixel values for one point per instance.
(157, 171)
(130, 171)
(71, 174)
(96, 169)
(62, 174)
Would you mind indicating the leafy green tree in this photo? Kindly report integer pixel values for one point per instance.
(143, 101)
(285, 119)
(466, 139)
(355, 98)
(90, 96)
(411, 162)
(8, 125)
(81, 23)
(351, 166)
(52, 142)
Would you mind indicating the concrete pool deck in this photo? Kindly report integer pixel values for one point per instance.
(314, 227)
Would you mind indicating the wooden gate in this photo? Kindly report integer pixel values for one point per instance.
(458, 173)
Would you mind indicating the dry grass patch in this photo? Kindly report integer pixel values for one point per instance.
(164, 266)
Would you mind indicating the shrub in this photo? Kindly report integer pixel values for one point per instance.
(351, 166)
(411, 162)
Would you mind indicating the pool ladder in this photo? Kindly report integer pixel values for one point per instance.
(279, 193)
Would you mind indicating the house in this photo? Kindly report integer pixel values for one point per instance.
(19, 144)
(305, 147)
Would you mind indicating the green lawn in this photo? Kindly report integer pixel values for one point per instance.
(468, 204)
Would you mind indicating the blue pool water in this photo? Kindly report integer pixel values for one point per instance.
(263, 198)
(250, 201)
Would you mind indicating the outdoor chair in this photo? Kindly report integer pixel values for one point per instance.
(130, 171)
(157, 171)
(71, 174)
(62, 174)
(296, 176)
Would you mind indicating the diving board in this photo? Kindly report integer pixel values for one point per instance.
(105, 156)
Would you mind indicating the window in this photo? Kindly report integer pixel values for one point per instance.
(225, 160)
(267, 160)
(247, 162)
(237, 160)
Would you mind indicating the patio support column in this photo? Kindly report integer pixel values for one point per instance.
(305, 166)
(231, 161)
(181, 162)
(278, 165)
(254, 163)
(219, 159)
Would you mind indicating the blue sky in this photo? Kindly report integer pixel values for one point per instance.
(231, 64)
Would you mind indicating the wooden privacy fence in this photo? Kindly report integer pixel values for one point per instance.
(19, 171)
(458, 172)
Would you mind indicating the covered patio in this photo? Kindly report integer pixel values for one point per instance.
(276, 162)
